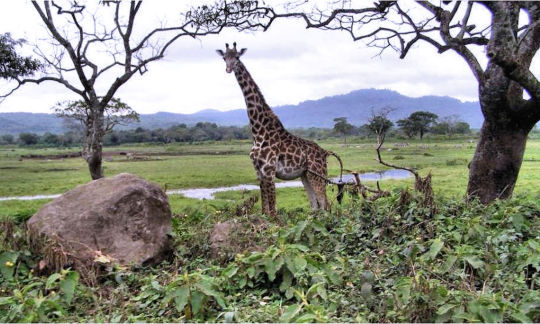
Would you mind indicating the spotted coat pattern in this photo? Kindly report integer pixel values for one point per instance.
(276, 153)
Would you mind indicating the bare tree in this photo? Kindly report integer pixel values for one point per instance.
(510, 45)
(92, 50)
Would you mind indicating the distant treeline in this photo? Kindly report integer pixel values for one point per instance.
(200, 132)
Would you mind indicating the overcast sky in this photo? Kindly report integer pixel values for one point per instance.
(289, 63)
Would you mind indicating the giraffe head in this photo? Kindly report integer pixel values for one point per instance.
(231, 56)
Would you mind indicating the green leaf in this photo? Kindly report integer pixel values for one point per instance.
(208, 290)
(474, 261)
(319, 227)
(520, 317)
(289, 293)
(242, 282)
(181, 297)
(52, 279)
(307, 318)
(230, 271)
(300, 247)
(403, 289)
(286, 280)
(250, 272)
(435, 248)
(445, 308)
(290, 264)
(300, 263)
(270, 268)
(317, 290)
(490, 315)
(299, 230)
(322, 292)
(68, 284)
(197, 299)
(7, 264)
(518, 221)
(312, 291)
(449, 263)
(290, 313)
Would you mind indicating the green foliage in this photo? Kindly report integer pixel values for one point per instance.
(390, 260)
(12, 65)
(342, 127)
(114, 113)
(418, 122)
(451, 125)
(288, 267)
(190, 293)
(380, 125)
(36, 299)
(28, 138)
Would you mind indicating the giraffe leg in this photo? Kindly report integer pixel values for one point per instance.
(309, 191)
(319, 188)
(268, 197)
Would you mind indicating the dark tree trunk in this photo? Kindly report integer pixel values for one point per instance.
(93, 142)
(496, 162)
(508, 120)
(95, 164)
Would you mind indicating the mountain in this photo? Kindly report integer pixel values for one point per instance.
(357, 106)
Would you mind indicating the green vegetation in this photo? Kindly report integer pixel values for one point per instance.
(387, 260)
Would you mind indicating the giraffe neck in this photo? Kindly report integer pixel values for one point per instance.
(261, 117)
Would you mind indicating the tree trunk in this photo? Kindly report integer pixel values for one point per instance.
(496, 162)
(499, 153)
(95, 164)
(93, 142)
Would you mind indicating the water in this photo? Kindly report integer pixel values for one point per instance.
(208, 193)
(36, 197)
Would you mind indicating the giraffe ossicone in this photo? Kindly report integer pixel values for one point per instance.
(276, 153)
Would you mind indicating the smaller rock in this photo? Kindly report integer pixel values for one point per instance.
(236, 236)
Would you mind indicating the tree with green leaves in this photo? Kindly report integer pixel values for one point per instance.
(379, 124)
(28, 138)
(341, 126)
(13, 65)
(418, 122)
(115, 113)
(451, 125)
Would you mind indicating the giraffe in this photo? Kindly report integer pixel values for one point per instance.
(276, 153)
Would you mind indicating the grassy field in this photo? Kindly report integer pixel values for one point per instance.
(179, 166)
(391, 260)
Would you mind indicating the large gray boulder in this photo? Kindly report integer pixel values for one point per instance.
(123, 219)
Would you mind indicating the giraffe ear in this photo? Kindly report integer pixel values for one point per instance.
(242, 51)
(220, 52)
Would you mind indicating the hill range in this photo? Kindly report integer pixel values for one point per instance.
(357, 106)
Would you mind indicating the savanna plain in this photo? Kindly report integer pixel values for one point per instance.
(392, 259)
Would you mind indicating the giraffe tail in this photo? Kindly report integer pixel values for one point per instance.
(340, 164)
(340, 184)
